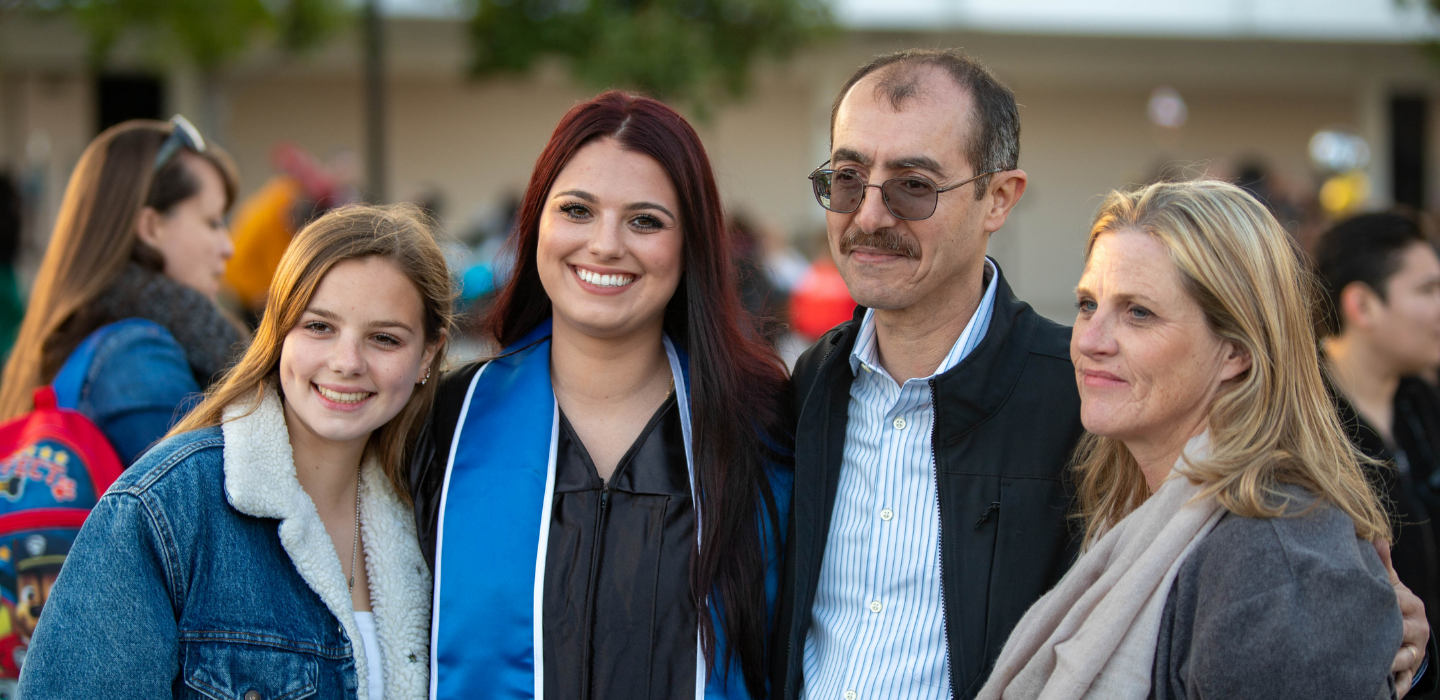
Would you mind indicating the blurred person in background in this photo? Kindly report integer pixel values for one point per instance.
(301, 190)
(1266, 185)
(1228, 524)
(820, 300)
(593, 498)
(758, 293)
(487, 265)
(12, 306)
(141, 239)
(1381, 328)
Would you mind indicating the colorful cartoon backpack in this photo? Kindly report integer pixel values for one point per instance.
(56, 465)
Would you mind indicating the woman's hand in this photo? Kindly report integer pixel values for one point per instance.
(1417, 629)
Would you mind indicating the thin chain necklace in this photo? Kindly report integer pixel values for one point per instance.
(355, 541)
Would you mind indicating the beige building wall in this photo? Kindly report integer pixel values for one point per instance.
(45, 124)
(476, 142)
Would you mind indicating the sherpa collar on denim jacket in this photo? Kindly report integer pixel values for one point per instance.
(260, 481)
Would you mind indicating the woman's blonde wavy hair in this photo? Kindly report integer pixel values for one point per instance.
(1275, 423)
(399, 233)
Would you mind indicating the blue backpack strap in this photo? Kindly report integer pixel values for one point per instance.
(70, 380)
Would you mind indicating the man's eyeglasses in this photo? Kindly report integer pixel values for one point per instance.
(910, 198)
(183, 134)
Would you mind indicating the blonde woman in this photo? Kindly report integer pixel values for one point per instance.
(1228, 525)
(265, 549)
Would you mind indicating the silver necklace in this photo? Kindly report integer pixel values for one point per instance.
(355, 541)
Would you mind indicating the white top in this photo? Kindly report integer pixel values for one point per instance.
(877, 629)
(375, 671)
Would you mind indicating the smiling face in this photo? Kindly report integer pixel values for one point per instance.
(192, 236)
(891, 263)
(1147, 364)
(609, 250)
(352, 361)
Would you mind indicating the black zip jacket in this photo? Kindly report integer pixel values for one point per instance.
(1006, 421)
(1410, 492)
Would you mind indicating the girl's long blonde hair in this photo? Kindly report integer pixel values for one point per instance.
(398, 233)
(1275, 423)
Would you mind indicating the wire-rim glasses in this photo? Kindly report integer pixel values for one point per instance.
(911, 197)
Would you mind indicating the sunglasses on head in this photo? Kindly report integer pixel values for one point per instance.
(911, 198)
(183, 134)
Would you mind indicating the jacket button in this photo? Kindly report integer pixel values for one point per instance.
(252, 695)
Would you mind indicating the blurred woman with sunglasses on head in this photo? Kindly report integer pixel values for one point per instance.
(595, 496)
(122, 316)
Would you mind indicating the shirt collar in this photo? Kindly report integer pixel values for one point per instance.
(864, 354)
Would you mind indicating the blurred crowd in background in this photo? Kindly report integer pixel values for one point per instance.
(787, 280)
(1321, 114)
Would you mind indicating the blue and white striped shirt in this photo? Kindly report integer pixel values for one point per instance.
(877, 630)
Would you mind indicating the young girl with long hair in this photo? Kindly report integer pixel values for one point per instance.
(603, 502)
(266, 549)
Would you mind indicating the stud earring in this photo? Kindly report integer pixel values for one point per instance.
(427, 377)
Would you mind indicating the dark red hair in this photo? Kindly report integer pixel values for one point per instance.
(740, 404)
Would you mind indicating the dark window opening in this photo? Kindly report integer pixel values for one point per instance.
(124, 97)
(1407, 149)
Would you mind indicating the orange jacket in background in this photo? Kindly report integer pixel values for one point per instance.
(262, 230)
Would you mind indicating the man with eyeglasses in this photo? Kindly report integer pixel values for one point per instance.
(931, 505)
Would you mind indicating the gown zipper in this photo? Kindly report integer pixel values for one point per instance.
(595, 547)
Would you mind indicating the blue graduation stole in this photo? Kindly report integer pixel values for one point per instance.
(486, 628)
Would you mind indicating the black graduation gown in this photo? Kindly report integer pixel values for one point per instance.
(619, 620)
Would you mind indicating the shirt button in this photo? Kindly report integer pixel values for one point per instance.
(887, 514)
(849, 695)
(875, 606)
(899, 423)
(252, 695)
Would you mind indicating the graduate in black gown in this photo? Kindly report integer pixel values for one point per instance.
(623, 464)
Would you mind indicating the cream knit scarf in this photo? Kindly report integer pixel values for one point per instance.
(1093, 635)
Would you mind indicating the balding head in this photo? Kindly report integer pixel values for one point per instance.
(908, 78)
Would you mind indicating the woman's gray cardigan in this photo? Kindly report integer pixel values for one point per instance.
(1278, 608)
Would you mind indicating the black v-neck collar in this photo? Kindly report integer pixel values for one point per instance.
(584, 453)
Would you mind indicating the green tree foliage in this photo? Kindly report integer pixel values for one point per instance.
(693, 51)
(206, 32)
(1432, 13)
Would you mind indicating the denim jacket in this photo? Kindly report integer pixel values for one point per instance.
(135, 386)
(205, 572)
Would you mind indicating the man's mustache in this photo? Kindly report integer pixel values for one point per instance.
(885, 239)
